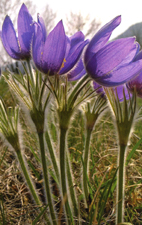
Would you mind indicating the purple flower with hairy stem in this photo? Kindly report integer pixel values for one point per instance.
(136, 83)
(56, 53)
(111, 64)
(18, 47)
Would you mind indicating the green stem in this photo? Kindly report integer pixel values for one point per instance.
(86, 163)
(71, 188)
(30, 70)
(120, 184)
(52, 155)
(29, 182)
(46, 178)
(63, 132)
(27, 177)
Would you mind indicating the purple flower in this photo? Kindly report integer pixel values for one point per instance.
(18, 48)
(136, 83)
(111, 64)
(56, 53)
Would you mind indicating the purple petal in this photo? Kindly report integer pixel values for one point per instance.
(111, 56)
(25, 30)
(120, 90)
(9, 39)
(121, 75)
(77, 72)
(37, 47)
(76, 39)
(54, 49)
(73, 58)
(138, 56)
(101, 38)
(136, 84)
(42, 25)
(99, 89)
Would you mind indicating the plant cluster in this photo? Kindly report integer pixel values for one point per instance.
(70, 75)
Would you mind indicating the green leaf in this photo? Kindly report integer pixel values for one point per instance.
(38, 217)
(130, 155)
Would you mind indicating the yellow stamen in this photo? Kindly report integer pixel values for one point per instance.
(62, 66)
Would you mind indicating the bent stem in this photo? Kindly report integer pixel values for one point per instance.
(46, 178)
(121, 183)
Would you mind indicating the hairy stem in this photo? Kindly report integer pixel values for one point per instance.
(63, 132)
(29, 182)
(120, 184)
(86, 163)
(46, 178)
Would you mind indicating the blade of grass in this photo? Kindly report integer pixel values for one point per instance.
(130, 155)
(40, 214)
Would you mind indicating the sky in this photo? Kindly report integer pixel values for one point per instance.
(102, 10)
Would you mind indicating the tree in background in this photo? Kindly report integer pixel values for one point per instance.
(49, 17)
(77, 22)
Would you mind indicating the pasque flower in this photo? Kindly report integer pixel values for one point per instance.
(18, 47)
(56, 53)
(136, 83)
(111, 64)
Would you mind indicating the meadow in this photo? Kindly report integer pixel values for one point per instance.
(16, 204)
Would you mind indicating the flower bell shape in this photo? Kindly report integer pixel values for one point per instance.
(56, 53)
(136, 83)
(111, 64)
(18, 47)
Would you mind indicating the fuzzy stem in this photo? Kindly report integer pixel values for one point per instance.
(29, 182)
(27, 177)
(63, 132)
(120, 184)
(85, 162)
(52, 154)
(46, 178)
(71, 188)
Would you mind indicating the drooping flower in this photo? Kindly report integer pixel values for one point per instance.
(56, 53)
(111, 64)
(136, 83)
(18, 47)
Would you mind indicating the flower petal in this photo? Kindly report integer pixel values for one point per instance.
(42, 25)
(77, 72)
(121, 75)
(37, 47)
(101, 38)
(76, 39)
(25, 30)
(54, 49)
(9, 39)
(111, 56)
(72, 58)
(120, 92)
(136, 84)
